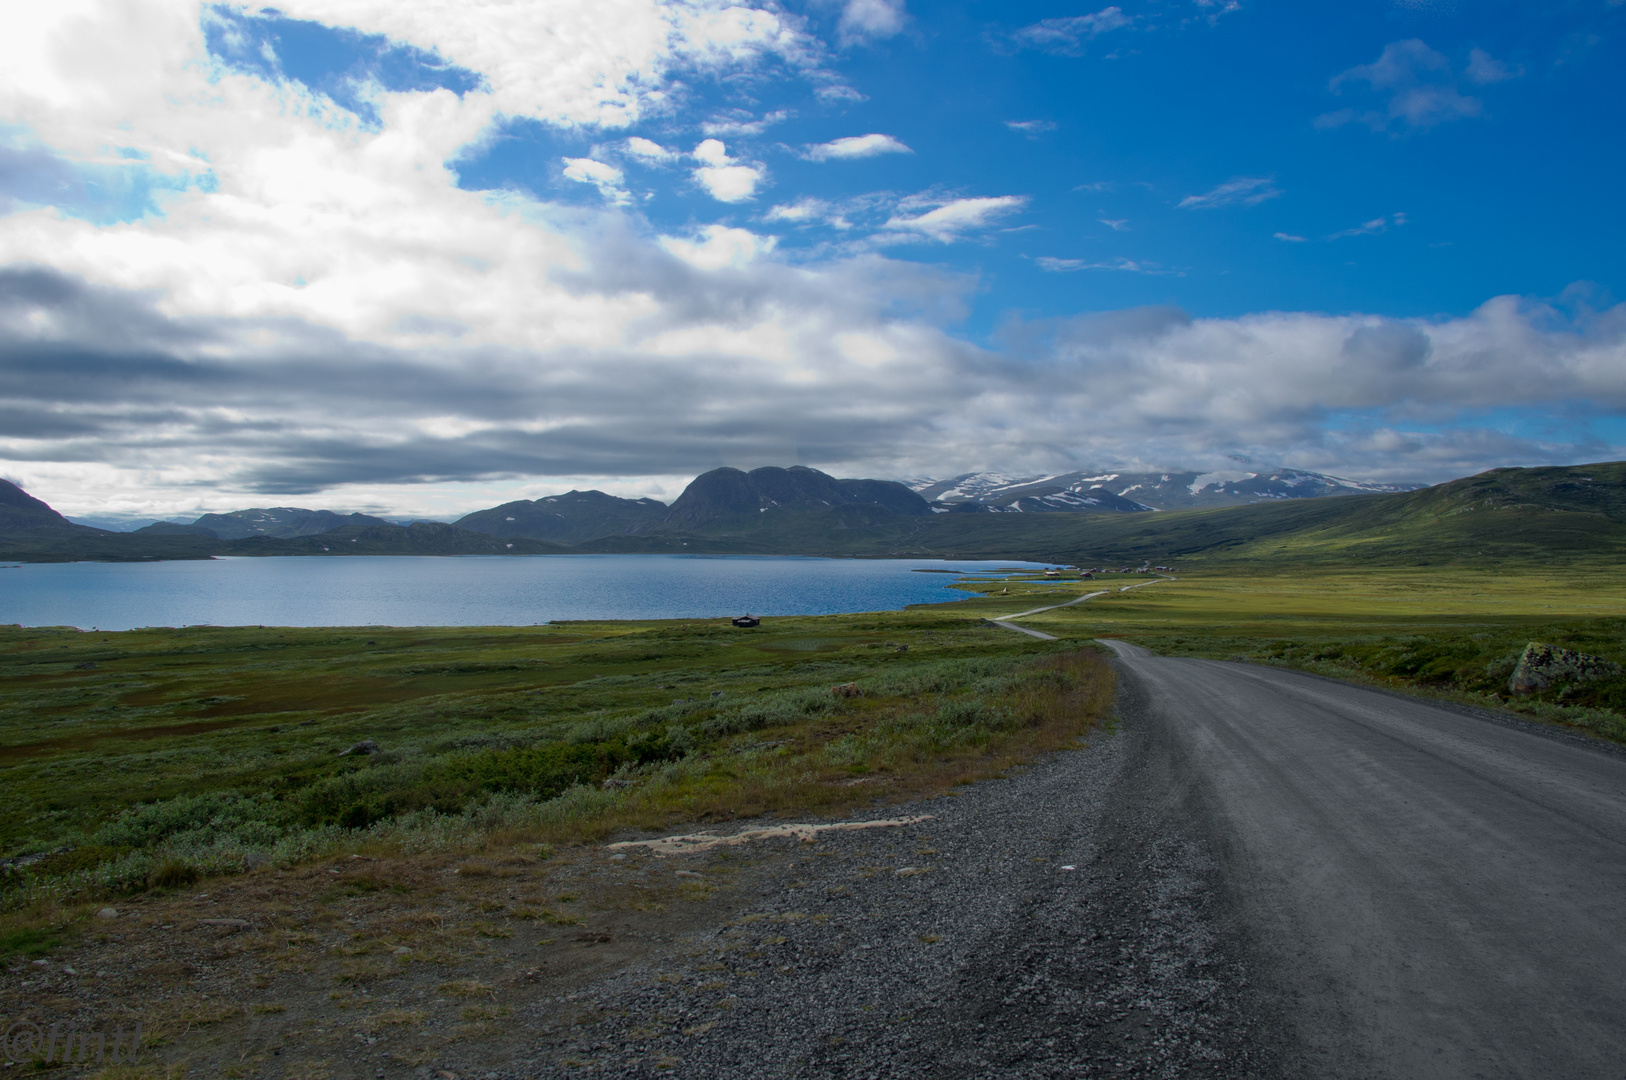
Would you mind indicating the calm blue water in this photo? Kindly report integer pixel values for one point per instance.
(496, 591)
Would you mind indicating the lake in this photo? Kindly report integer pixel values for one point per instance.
(515, 590)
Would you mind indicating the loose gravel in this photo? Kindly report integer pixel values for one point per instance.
(1069, 920)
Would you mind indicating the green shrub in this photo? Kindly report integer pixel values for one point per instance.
(214, 812)
(27, 942)
(76, 861)
(173, 874)
(458, 782)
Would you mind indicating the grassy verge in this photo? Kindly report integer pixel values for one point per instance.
(1451, 633)
(151, 759)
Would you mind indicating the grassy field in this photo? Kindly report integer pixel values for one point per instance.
(151, 758)
(144, 761)
(1449, 632)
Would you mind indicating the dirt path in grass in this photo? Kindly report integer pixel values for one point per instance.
(1005, 623)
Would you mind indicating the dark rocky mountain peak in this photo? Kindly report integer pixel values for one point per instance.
(21, 512)
(731, 494)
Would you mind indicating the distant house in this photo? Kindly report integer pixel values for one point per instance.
(747, 620)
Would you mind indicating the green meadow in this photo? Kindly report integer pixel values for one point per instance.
(151, 758)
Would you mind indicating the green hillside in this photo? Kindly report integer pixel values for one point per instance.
(1506, 515)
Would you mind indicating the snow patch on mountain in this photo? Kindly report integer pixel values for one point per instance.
(1217, 479)
(1129, 492)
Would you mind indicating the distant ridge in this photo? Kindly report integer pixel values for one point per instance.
(283, 521)
(570, 518)
(1549, 516)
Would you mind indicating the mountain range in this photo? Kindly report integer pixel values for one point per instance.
(280, 521)
(1543, 514)
(1130, 491)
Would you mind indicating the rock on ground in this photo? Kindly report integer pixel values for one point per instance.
(1542, 666)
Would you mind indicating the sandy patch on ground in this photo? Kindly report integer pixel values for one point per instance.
(697, 842)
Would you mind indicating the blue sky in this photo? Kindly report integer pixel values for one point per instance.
(614, 244)
(1500, 189)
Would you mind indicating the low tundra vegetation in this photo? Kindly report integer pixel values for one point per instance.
(1477, 667)
(180, 755)
(1441, 632)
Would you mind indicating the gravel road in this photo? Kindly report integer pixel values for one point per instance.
(1257, 873)
(1432, 893)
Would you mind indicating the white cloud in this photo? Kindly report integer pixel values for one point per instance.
(1417, 82)
(1115, 224)
(726, 179)
(648, 149)
(1289, 238)
(871, 20)
(1070, 35)
(309, 214)
(715, 247)
(834, 93)
(953, 220)
(878, 219)
(1194, 386)
(730, 183)
(1213, 10)
(1031, 128)
(712, 152)
(1371, 228)
(602, 63)
(1238, 191)
(1053, 265)
(857, 146)
(744, 123)
(806, 211)
(607, 178)
(1484, 69)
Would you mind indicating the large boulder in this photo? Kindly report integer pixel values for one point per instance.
(1542, 666)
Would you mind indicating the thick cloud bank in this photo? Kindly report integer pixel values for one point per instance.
(766, 363)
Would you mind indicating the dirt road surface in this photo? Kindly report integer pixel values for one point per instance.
(1429, 893)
